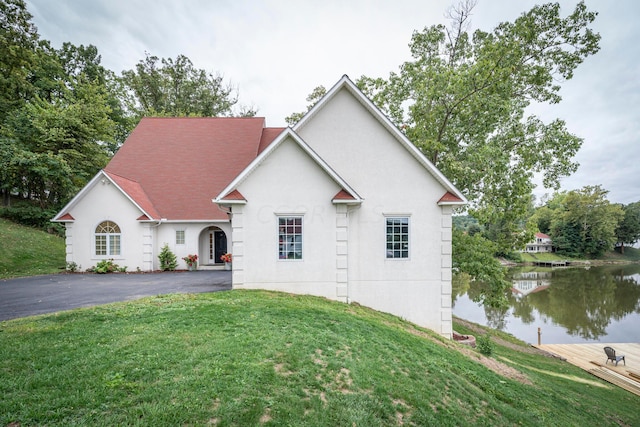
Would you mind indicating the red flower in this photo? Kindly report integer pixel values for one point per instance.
(191, 260)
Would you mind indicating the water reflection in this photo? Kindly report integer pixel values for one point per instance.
(570, 304)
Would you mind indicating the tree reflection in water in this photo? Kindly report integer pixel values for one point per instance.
(584, 302)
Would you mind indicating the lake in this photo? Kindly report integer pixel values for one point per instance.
(570, 305)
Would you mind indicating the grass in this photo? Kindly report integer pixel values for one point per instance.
(25, 251)
(630, 255)
(247, 358)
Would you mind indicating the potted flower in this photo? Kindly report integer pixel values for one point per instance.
(226, 258)
(192, 261)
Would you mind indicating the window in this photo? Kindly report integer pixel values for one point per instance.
(398, 237)
(290, 237)
(179, 237)
(107, 239)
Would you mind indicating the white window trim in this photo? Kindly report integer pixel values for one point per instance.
(108, 255)
(184, 236)
(409, 249)
(302, 243)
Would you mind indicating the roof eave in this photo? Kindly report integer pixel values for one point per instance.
(287, 133)
(346, 202)
(222, 201)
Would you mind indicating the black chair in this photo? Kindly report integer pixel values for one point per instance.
(611, 355)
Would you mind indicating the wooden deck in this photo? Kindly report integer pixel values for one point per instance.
(591, 358)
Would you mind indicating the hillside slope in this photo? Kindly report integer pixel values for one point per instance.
(262, 358)
(26, 251)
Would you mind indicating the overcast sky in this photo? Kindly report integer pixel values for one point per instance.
(277, 51)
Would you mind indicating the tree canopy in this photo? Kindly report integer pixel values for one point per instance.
(628, 230)
(584, 222)
(170, 87)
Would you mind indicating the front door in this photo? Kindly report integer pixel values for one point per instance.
(217, 246)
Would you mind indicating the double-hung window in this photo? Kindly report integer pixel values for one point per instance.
(397, 237)
(290, 237)
(107, 239)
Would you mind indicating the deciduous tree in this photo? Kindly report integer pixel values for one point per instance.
(584, 222)
(628, 230)
(170, 87)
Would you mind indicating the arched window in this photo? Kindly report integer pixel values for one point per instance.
(107, 239)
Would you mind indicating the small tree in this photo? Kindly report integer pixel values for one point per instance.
(168, 260)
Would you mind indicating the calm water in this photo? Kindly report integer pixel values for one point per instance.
(570, 305)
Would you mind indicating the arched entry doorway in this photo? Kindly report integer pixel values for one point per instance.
(216, 245)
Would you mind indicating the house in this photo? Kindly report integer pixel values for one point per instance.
(529, 282)
(541, 243)
(342, 206)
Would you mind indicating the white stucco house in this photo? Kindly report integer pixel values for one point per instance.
(541, 243)
(342, 205)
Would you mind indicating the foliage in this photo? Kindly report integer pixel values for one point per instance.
(72, 266)
(168, 260)
(176, 88)
(584, 222)
(543, 217)
(299, 360)
(107, 266)
(30, 215)
(313, 98)
(59, 118)
(466, 223)
(474, 255)
(26, 251)
(484, 344)
(18, 39)
(628, 230)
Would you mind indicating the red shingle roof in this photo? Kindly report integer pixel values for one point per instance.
(343, 195)
(268, 135)
(66, 217)
(136, 192)
(174, 167)
(234, 195)
(449, 198)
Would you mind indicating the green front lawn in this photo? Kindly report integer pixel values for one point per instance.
(244, 358)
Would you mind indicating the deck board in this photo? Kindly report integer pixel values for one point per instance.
(591, 358)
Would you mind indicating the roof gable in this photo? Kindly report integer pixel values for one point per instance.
(136, 194)
(346, 194)
(130, 189)
(346, 83)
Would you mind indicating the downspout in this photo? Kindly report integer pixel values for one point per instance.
(154, 239)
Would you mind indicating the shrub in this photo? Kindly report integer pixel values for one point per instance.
(30, 215)
(106, 266)
(484, 344)
(168, 260)
(72, 267)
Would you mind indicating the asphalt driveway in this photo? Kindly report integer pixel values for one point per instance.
(27, 296)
